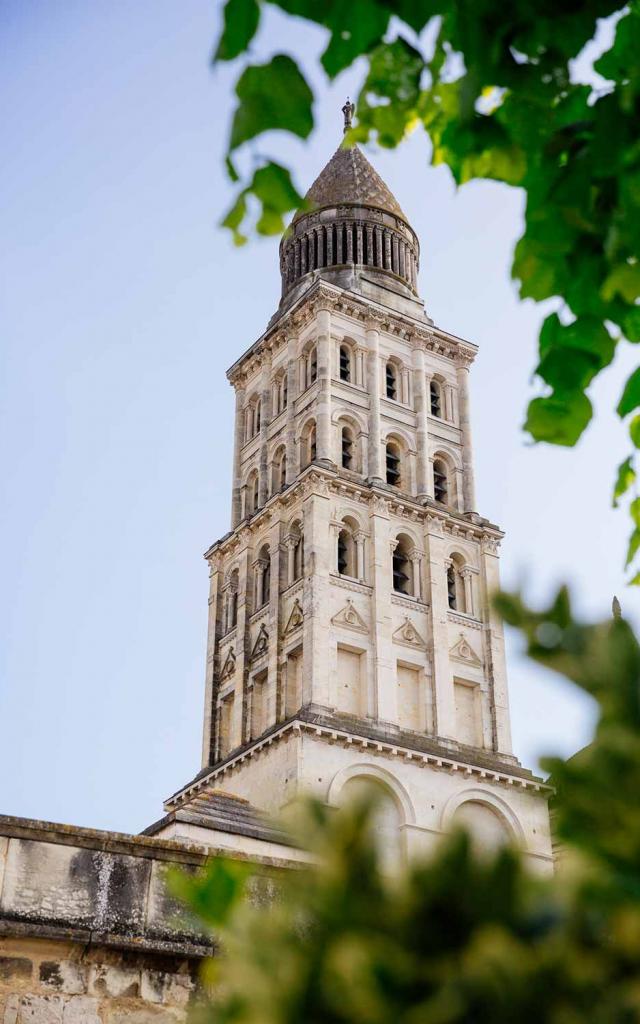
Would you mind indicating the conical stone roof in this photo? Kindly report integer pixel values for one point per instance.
(350, 178)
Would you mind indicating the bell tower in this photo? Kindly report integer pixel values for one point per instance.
(351, 631)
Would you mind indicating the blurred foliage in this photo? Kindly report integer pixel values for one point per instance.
(463, 937)
(496, 94)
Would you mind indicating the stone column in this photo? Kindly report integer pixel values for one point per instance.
(373, 382)
(416, 561)
(316, 600)
(265, 419)
(496, 667)
(467, 581)
(273, 672)
(469, 496)
(241, 646)
(385, 687)
(290, 542)
(323, 405)
(379, 248)
(238, 441)
(387, 251)
(292, 393)
(445, 718)
(208, 732)
(360, 539)
(425, 478)
(358, 253)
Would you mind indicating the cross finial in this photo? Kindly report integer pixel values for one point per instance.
(615, 608)
(348, 110)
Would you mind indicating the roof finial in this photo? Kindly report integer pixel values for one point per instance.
(615, 608)
(348, 110)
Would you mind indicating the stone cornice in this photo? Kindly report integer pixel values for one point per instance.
(440, 759)
(321, 295)
(318, 480)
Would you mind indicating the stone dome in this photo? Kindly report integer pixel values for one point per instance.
(355, 232)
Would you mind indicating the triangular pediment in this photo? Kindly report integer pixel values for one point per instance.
(229, 666)
(261, 645)
(408, 635)
(350, 618)
(295, 619)
(463, 651)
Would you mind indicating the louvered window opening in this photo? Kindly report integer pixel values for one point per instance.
(345, 364)
(393, 466)
(350, 243)
(440, 483)
(400, 572)
(347, 450)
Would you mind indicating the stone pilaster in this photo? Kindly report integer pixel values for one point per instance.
(238, 441)
(273, 682)
(496, 667)
(208, 732)
(293, 467)
(265, 419)
(439, 629)
(373, 387)
(323, 405)
(425, 476)
(469, 495)
(316, 602)
(384, 684)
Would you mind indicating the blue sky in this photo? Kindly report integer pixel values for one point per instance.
(122, 304)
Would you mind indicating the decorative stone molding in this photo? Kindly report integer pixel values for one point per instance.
(353, 585)
(408, 635)
(261, 645)
(464, 652)
(464, 620)
(295, 619)
(409, 602)
(350, 618)
(229, 666)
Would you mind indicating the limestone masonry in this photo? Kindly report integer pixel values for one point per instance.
(351, 634)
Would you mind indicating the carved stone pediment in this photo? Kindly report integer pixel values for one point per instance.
(261, 645)
(350, 618)
(408, 635)
(295, 619)
(229, 666)
(463, 651)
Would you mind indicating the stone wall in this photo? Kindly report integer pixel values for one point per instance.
(89, 930)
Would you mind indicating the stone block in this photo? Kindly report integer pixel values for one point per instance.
(145, 1015)
(11, 1009)
(178, 990)
(65, 976)
(114, 980)
(14, 967)
(41, 1010)
(152, 986)
(81, 1010)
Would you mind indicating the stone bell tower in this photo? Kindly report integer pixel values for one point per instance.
(351, 632)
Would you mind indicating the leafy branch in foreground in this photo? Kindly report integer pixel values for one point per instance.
(498, 100)
(462, 936)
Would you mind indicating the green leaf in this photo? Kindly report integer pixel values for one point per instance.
(620, 63)
(573, 354)
(558, 419)
(272, 96)
(241, 18)
(633, 547)
(625, 478)
(624, 280)
(356, 27)
(235, 217)
(631, 395)
(634, 431)
(394, 74)
(213, 893)
(631, 324)
(272, 185)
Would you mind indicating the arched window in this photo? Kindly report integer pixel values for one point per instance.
(308, 445)
(391, 381)
(279, 471)
(345, 363)
(393, 464)
(436, 398)
(252, 498)
(440, 482)
(346, 549)
(280, 393)
(263, 576)
(402, 566)
(347, 448)
(284, 392)
(257, 417)
(455, 585)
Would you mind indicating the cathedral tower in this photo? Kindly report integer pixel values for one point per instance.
(351, 632)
